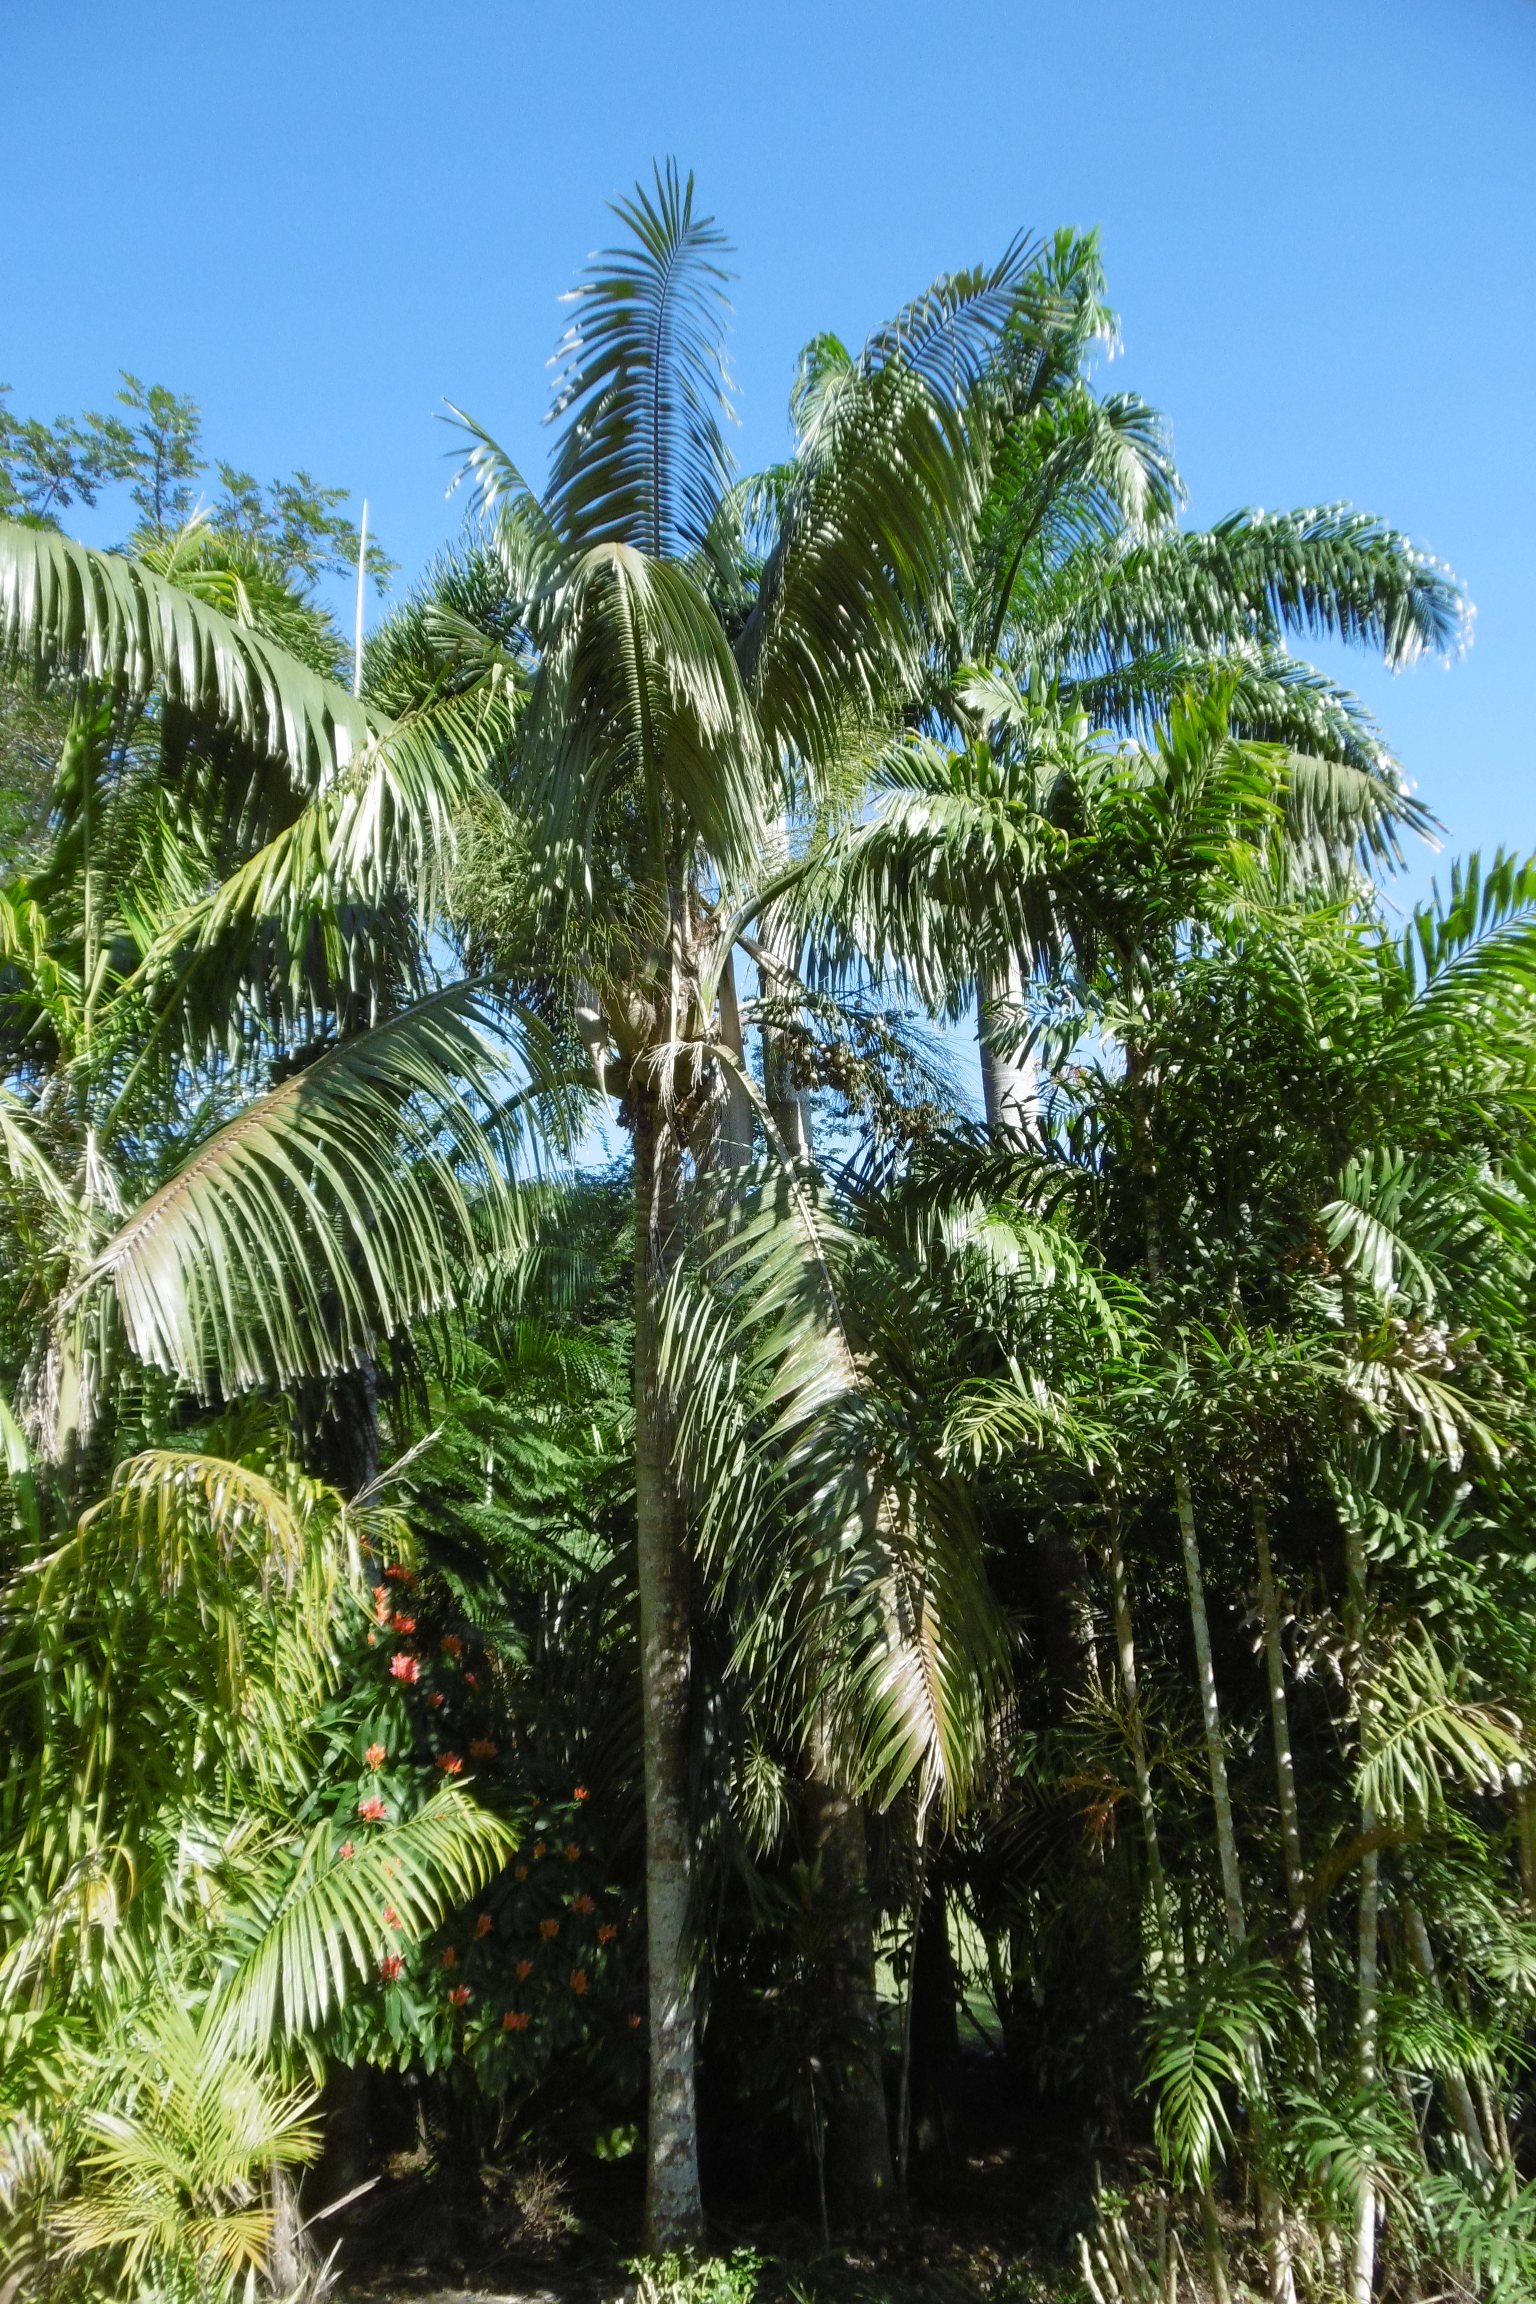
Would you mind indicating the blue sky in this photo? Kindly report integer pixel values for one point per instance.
(323, 219)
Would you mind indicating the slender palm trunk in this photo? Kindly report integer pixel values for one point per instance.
(1010, 1082)
(858, 2154)
(1457, 2094)
(1210, 1709)
(1285, 1776)
(1125, 1645)
(1363, 2268)
(674, 2215)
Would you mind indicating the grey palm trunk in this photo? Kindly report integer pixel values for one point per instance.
(674, 2213)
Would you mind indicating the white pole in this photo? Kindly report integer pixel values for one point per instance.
(362, 566)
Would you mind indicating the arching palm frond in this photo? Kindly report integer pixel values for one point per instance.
(1256, 576)
(882, 490)
(92, 616)
(852, 1564)
(310, 1925)
(349, 1200)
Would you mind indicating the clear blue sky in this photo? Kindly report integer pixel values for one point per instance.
(1318, 216)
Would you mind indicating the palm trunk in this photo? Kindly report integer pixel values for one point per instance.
(1363, 2269)
(1271, 2215)
(1010, 1082)
(734, 1132)
(1285, 1776)
(858, 2131)
(1125, 1644)
(674, 2215)
(1458, 2095)
(1210, 1709)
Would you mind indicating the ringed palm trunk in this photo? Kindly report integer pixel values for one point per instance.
(1010, 1082)
(674, 2215)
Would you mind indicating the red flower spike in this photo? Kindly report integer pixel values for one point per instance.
(634, 2023)
(549, 1930)
(572, 1852)
(515, 2020)
(578, 1981)
(451, 1644)
(481, 1748)
(450, 1957)
(405, 1668)
(524, 1971)
(582, 1904)
(391, 1966)
(607, 1932)
(484, 1924)
(539, 1847)
(459, 1996)
(404, 1624)
(401, 1575)
(372, 1810)
(581, 1793)
(520, 1872)
(470, 1681)
(375, 1756)
(346, 1852)
(436, 1699)
(450, 1763)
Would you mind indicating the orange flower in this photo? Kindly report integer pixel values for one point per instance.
(581, 1793)
(405, 1667)
(519, 1871)
(391, 1917)
(450, 1763)
(539, 1847)
(582, 1904)
(451, 1644)
(436, 1699)
(405, 1624)
(390, 1966)
(549, 1930)
(578, 1981)
(381, 1603)
(515, 2020)
(484, 1924)
(572, 1852)
(450, 1957)
(634, 2023)
(373, 1639)
(607, 1932)
(372, 1810)
(481, 1748)
(346, 1852)
(470, 1681)
(401, 1575)
(524, 1971)
(375, 1756)
(459, 1996)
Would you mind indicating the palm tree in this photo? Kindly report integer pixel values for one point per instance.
(690, 651)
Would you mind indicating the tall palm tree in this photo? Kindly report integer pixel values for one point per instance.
(690, 652)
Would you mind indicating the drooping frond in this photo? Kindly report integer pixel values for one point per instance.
(851, 1560)
(92, 616)
(352, 1198)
